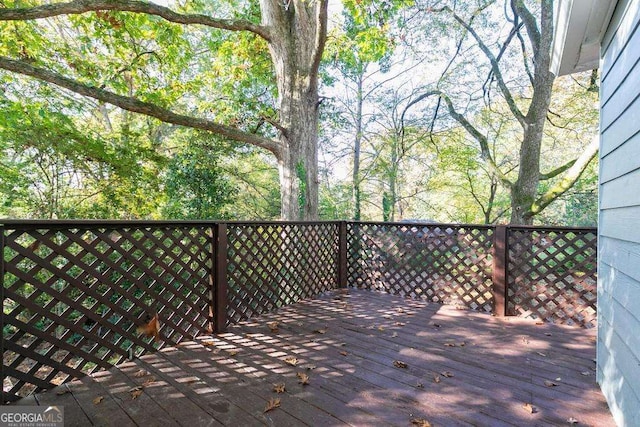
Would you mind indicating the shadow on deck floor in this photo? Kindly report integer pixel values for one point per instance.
(370, 359)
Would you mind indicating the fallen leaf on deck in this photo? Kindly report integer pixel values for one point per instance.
(98, 400)
(233, 352)
(449, 344)
(208, 343)
(541, 354)
(303, 378)
(273, 326)
(400, 364)
(585, 373)
(272, 404)
(419, 385)
(151, 328)
(572, 421)
(293, 361)
(149, 381)
(462, 344)
(279, 388)
(539, 323)
(141, 373)
(447, 374)
(550, 383)
(400, 310)
(320, 331)
(529, 408)
(135, 392)
(400, 323)
(436, 379)
(344, 353)
(420, 422)
(380, 328)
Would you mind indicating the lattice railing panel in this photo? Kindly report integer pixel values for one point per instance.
(73, 297)
(552, 275)
(442, 263)
(272, 265)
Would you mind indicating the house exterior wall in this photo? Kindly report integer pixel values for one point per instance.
(618, 367)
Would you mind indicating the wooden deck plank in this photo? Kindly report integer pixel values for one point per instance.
(346, 343)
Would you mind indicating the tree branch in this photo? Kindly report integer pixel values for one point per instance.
(137, 106)
(557, 171)
(475, 133)
(82, 6)
(572, 175)
(495, 67)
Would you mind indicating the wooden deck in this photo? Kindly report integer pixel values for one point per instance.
(370, 358)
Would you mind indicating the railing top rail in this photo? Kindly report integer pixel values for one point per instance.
(95, 223)
(423, 224)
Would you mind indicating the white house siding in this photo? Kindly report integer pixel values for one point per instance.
(618, 371)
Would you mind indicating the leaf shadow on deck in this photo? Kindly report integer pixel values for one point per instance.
(454, 367)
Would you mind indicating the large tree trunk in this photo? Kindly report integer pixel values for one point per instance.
(524, 191)
(295, 50)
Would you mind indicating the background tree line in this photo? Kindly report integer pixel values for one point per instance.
(381, 110)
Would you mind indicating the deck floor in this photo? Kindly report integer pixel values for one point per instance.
(370, 358)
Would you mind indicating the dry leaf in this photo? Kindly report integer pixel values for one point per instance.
(344, 353)
(550, 383)
(400, 310)
(436, 379)
(135, 392)
(320, 331)
(400, 364)
(151, 328)
(293, 361)
(380, 328)
(539, 323)
(529, 408)
(572, 421)
(279, 388)
(141, 373)
(303, 378)
(149, 381)
(447, 374)
(449, 344)
(208, 343)
(585, 373)
(400, 323)
(272, 404)
(273, 326)
(98, 400)
(233, 352)
(462, 344)
(420, 422)
(419, 385)
(541, 354)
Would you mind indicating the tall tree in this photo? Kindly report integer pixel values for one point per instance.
(294, 32)
(527, 96)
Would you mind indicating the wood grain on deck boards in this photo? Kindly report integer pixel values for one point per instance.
(462, 368)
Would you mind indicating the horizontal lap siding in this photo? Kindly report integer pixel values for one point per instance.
(619, 222)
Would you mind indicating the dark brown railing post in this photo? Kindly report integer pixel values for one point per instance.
(220, 278)
(342, 254)
(499, 275)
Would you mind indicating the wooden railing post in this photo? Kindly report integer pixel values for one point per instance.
(342, 254)
(220, 282)
(499, 275)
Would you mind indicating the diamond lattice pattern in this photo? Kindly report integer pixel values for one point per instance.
(74, 297)
(552, 275)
